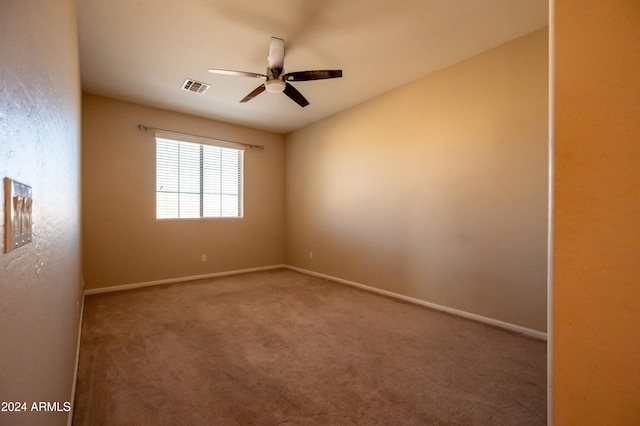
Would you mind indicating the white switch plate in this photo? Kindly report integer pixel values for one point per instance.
(17, 214)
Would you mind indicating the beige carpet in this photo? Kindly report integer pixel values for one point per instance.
(283, 348)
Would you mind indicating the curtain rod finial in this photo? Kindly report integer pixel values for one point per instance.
(142, 127)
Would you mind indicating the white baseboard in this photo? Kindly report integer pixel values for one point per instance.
(177, 280)
(508, 326)
(75, 368)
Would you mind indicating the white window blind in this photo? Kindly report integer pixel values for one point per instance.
(197, 180)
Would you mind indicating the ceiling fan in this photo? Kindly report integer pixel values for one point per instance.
(276, 80)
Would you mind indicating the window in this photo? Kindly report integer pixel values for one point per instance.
(197, 180)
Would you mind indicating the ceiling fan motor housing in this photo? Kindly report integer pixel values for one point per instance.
(275, 86)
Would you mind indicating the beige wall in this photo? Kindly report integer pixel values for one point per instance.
(596, 213)
(40, 283)
(125, 244)
(437, 190)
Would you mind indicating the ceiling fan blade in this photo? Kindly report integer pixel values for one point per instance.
(276, 54)
(253, 94)
(297, 97)
(312, 75)
(237, 73)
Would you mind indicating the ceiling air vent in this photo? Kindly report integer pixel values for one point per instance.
(194, 86)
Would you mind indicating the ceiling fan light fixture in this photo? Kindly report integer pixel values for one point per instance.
(275, 85)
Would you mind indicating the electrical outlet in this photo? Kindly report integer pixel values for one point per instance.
(204, 257)
(310, 255)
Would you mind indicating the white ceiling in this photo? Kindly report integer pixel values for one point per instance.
(143, 50)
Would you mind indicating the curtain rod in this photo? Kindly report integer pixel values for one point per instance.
(145, 128)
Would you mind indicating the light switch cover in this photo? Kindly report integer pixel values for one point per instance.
(17, 214)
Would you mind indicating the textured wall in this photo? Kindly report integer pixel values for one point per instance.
(40, 283)
(596, 213)
(124, 243)
(437, 190)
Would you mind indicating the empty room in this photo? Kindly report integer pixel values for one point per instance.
(230, 212)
